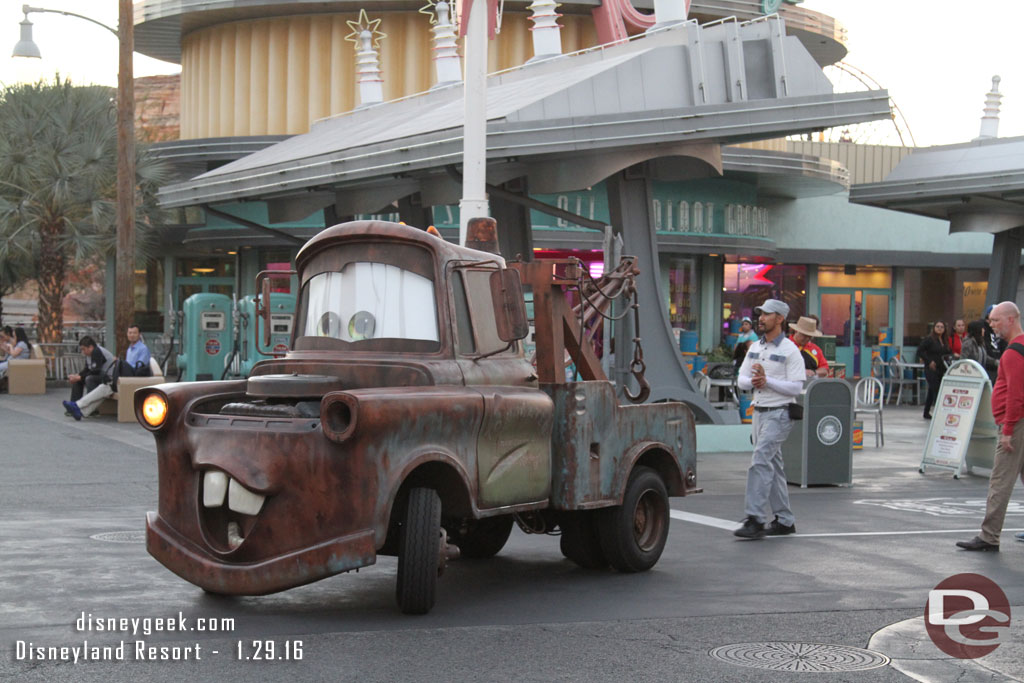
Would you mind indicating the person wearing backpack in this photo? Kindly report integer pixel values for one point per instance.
(1008, 412)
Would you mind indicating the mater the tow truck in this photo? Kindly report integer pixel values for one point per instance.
(407, 420)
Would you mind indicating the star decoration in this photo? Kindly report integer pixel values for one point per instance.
(364, 23)
(429, 10)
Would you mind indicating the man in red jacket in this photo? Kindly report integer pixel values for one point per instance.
(1008, 411)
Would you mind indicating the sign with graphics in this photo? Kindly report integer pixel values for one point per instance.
(829, 430)
(967, 616)
(962, 433)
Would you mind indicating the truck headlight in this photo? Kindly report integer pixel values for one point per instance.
(154, 410)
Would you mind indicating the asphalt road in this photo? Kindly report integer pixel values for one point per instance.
(864, 560)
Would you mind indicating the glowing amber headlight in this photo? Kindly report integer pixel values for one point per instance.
(154, 410)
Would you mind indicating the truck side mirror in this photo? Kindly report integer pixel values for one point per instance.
(263, 279)
(509, 306)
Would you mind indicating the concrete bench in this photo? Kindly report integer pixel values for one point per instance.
(126, 387)
(27, 376)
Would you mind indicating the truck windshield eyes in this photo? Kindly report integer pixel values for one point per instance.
(367, 301)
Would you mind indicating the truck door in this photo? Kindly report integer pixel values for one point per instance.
(514, 445)
(514, 448)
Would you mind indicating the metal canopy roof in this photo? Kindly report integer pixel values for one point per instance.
(160, 25)
(585, 116)
(948, 181)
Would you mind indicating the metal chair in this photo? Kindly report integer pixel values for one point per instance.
(703, 384)
(880, 371)
(868, 396)
(898, 380)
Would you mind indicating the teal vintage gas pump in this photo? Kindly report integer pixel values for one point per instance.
(282, 316)
(205, 336)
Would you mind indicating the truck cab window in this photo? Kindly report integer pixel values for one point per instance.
(367, 301)
(465, 328)
(475, 297)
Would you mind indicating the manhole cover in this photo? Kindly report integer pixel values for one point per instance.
(804, 657)
(121, 537)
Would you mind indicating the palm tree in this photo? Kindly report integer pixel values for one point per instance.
(58, 169)
(14, 269)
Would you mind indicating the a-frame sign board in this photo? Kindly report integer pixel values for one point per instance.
(962, 433)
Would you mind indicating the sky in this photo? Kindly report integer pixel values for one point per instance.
(75, 48)
(936, 57)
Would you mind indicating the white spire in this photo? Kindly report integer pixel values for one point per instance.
(371, 86)
(990, 120)
(446, 55)
(366, 36)
(547, 34)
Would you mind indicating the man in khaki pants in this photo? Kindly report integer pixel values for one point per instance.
(1008, 411)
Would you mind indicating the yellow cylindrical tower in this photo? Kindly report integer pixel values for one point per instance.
(278, 75)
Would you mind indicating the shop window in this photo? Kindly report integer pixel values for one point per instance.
(747, 285)
(212, 266)
(277, 259)
(861, 277)
(946, 294)
(684, 302)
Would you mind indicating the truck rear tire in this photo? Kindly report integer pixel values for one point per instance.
(419, 552)
(633, 534)
(579, 541)
(485, 537)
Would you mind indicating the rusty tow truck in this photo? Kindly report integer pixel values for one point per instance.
(407, 420)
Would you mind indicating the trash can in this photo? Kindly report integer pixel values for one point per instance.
(819, 449)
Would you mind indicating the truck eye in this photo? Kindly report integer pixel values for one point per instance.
(329, 325)
(361, 326)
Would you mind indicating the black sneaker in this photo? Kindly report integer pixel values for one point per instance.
(751, 529)
(777, 528)
(977, 544)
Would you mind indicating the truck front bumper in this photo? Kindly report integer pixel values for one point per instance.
(296, 568)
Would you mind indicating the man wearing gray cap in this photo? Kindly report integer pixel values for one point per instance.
(774, 369)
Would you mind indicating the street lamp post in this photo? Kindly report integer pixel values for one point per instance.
(124, 298)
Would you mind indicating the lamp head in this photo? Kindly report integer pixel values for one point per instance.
(26, 47)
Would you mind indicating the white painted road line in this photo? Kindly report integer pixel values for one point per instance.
(705, 520)
(732, 526)
(896, 533)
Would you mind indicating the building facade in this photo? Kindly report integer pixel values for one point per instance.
(732, 223)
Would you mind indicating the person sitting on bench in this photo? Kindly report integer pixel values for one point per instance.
(13, 344)
(136, 364)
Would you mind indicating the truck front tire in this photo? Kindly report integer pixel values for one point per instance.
(633, 534)
(419, 552)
